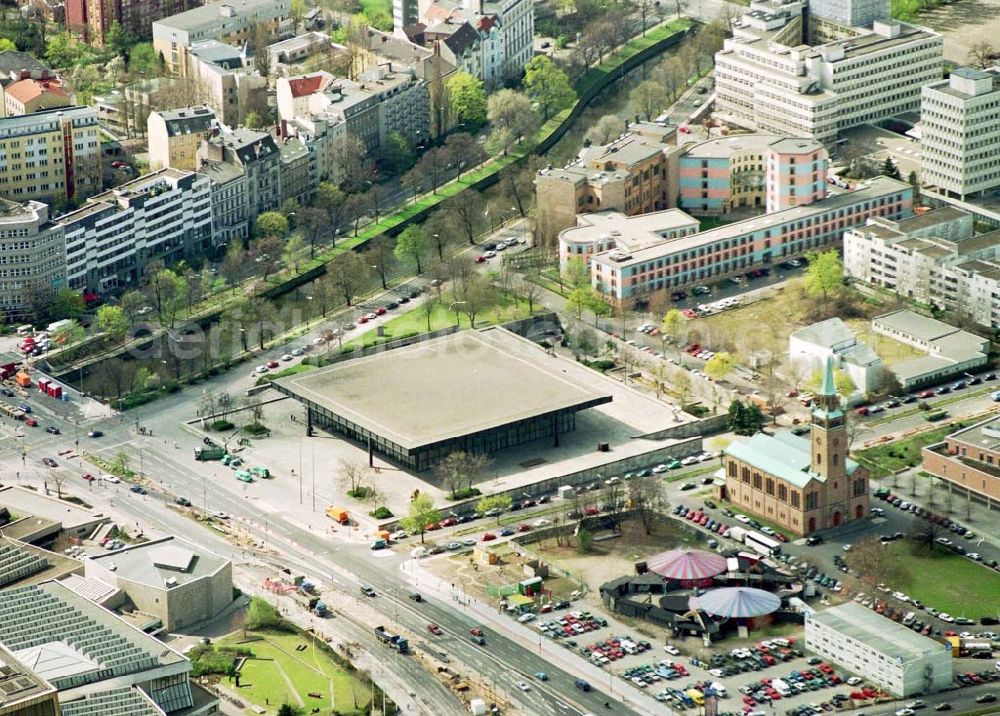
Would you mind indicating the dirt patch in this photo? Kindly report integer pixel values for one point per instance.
(963, 24)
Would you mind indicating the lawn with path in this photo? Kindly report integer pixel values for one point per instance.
(946, 581)
(278, 673)
(902, 454)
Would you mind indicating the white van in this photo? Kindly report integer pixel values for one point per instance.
(909, 618)
(720, 690)
(25, 330)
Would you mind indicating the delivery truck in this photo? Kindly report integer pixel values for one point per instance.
(395, 641)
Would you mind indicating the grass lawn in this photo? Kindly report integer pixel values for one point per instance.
(774, 316)
(285, 372)
(278, 674)
(891, 351)
(415, 320)
(903, 453)
(946, 581)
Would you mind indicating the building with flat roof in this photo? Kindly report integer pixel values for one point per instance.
(412, 403)
(230, 83)
(753, 243)
(22, 691)
(950, 351)
(22, 563)
(960, 132)
(815, 343)
(801, 484)
(969, 460)
(818, 91)
(613, 231)
(164, 214)
(887, 654)
(169, 578)
(39, 519)
(34, 256)
(634, 174)
(852, 13)
(230, 21)
(935, 259)
(84, 650)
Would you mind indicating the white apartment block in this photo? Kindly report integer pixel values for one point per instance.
(960, 132)
(934, 259)
(818, 91)
(166, 214)
(887, 654)
(32, 256)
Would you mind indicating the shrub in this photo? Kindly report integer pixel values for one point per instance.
(381, 513)
(358, 493)
(221, 425)
(261, 615)
(601, 365)
(465, 493)
(256, 429)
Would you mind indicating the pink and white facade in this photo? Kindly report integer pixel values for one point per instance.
(796, 173)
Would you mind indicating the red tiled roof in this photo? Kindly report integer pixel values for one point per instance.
(486, 23)
(302, 86)
(26, 90)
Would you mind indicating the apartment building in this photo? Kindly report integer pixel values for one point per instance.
(296, 175)
(229, 21)
(230, 215)
(934, 259)
(30, 95)
(969, 460)
(960, 132)
(767, 171)
(817, 91)
(802, 484)
(91, 20)
(50, 155)
(32, 256)
(630, 277)
(634, 174)
(166, 214)
(230, 84)
(175, 136)
(254, 154)
(882, 652)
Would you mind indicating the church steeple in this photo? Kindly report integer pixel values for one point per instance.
(827, 404)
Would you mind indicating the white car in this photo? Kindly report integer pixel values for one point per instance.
(742, 518)
(490, 254)
(297, 352)
(110, 478)
(526, 617)
(901, 597)
(671, 649)
(220, 515)
(261, 369)
(690, 460)
(704, 456)
(660, 469)
(371, 316)
(541, 522)
(501, 247)
(523, 685)
(318, 341)
(945, 617)
(847, 548)
(854, 681)
(398, 535)
(287, 357)
(905, 712)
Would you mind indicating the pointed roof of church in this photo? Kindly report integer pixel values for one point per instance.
(828, 387)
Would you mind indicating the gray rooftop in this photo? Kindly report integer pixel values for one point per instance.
(188, 120)
(884, 635)
(630, 233)
(153, 563)
(913, 324)
(723, 147)
(211, 14)
(828, 333)
(18, 683)
(444, 388)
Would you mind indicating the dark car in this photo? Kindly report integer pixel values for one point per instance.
(678, 295)
(392, 305)
(95, 434)
(182, 501)
(688, 486)
(52, 429)
(416, 597)
(49, 462)
(138, 489)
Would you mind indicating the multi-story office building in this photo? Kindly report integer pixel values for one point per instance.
(882, 652)
(751, 170)
(229, 21)
(818, 91)
(163, 215)
(91, 20)
(629, 277)
(32, 256)
(968, 460)
(175, 136)
(802, 484)
(935, 259)
(603, 231)
(852, 13)
(256, 155)
(50, 155)
(960, 132)
(634, 174)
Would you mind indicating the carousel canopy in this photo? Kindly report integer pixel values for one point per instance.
(687, 565)
(737, 602)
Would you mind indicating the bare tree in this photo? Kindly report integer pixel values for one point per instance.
(353, 475)
(981, 54)
(874, 563)
(648, 499)
(613, 497)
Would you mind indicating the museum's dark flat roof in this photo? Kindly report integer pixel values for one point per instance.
(444, 388)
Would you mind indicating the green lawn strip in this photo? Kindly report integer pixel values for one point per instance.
(285, 372)
(265, 678)
(902, 454)
(696, 472)
(947, 581)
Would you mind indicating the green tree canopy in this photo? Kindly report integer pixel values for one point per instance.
(720, 365)
(397, 153)
(501, 502)
(272, 223)
(467, 98)
(548, 86)
(7, 45)
(824, 275)
(113, 321)
(67, 303)
(411, 247)
(420, 513)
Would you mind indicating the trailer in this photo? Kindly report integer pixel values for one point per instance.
(397, 642)
(209, 452)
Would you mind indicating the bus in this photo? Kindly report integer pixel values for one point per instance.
(762, 544)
